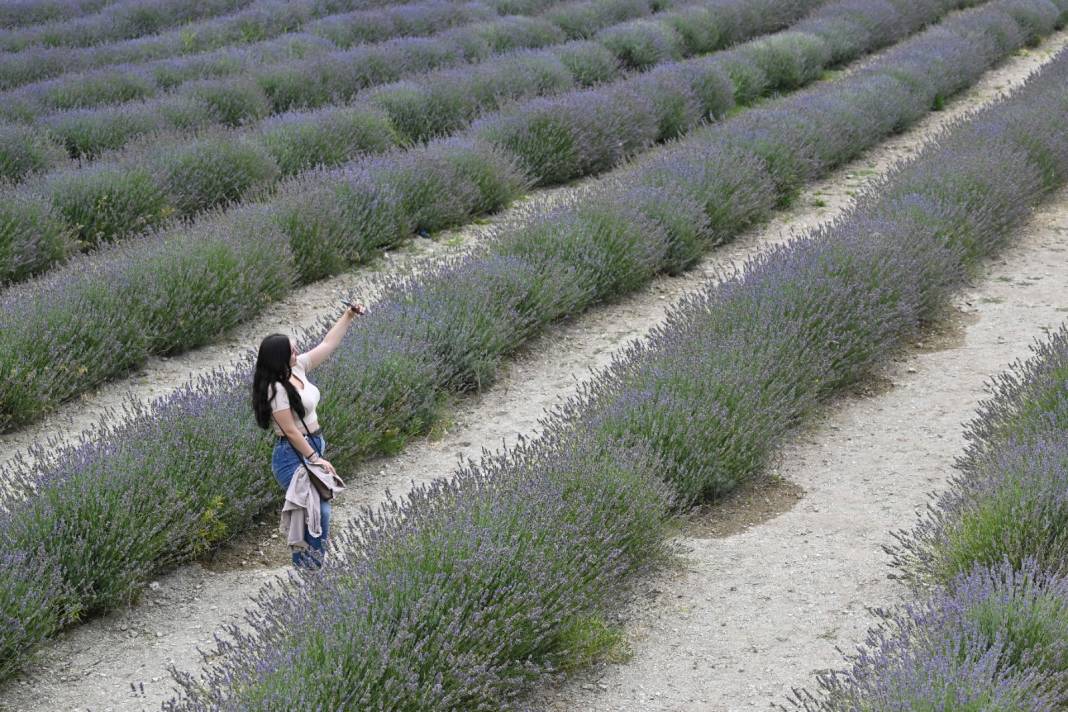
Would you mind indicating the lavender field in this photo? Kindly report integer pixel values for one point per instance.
(175, 172)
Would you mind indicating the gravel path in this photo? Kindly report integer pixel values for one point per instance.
(94, 665)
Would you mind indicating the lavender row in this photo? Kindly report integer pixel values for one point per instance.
(337, 219)
(436, 28)
(437, 104)
(462, 595)
(19, 13)
(206, 25)
(44, 222)
(156, 472)
(104, 22)
(139, 79)
(211, 51)
(167, 60)
(118, 20)
(129, 87)
(279, 82)
(257, 20)
(172, 58)
(25, 151)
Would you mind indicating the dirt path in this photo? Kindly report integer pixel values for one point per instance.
(94, 665)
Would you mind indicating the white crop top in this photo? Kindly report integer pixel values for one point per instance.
(309, 396)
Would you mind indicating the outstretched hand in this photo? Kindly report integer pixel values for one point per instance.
(356, 309)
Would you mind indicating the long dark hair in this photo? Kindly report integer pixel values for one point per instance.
(272, 368)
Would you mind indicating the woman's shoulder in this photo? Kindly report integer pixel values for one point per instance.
(302, 362)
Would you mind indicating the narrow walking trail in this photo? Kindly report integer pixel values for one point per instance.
(93, 666)
(749, 617)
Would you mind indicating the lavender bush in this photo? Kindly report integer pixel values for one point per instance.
(838, 300)
(424, 110)
(86, 134)
(703, 401)
(101, 88)
(582, 20)
(563, 138)
(349, 216)
(330, 227)
(24, 151)
(212, 171)
(165, 295)
(588, 62)
(447, 181)
(298, 142)
(104, 203)
(231, 103)
(26, 579)
(365, 26)
(32, 238)
(642, 43)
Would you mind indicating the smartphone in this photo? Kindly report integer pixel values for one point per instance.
(350, 305)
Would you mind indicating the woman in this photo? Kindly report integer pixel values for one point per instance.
(284, 399)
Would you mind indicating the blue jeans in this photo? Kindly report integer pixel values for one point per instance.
(284, 462)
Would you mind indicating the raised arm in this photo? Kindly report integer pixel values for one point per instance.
(333, 337)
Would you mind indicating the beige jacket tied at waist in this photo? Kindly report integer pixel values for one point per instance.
(301, 508)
